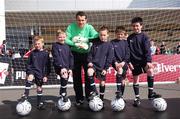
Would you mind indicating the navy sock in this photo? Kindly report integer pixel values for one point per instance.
(63, 87)
(136, 89)
(150, 80)
(102, 90)
(27, 87)
(39, 96)
(92, 83)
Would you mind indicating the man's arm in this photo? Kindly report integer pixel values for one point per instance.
(93, 33)
(68, 40)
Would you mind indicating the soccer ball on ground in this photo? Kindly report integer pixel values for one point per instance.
(64, 106)
(96, 104)
(159, 104)
(23, 108)
(117, 104)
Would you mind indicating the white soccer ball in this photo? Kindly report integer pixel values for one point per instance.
(96, 104)
(159, 104)
(64, 106)
(23, 108)
(117, 104)
(79, 39)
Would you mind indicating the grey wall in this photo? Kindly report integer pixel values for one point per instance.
(64, 5)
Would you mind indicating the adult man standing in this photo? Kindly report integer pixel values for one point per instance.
(79, 35)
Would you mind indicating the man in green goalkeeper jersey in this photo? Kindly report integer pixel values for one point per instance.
(75, 33)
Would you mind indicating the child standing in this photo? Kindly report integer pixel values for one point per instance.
(38, 68)
(140, 59)
(99, 60)
(63, 62)
(121, 58)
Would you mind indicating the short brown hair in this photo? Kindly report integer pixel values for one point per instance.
(120, 29)
(102, 28)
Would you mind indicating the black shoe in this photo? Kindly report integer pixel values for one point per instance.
(103, 106)
(65, 98)
(41, 106)
(92, 95)
(118, 95)
(23, 98)
(79, 103)
(153, 95)
(101, 97)
(137, 102)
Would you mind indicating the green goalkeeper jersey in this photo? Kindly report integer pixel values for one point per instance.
(73, 30)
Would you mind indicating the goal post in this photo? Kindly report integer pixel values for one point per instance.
(2, 22)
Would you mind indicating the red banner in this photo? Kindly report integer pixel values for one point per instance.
(166, 68)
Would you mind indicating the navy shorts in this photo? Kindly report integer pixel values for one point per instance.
(125, 68)
(98, 75)
(138, 69)
(38, 81)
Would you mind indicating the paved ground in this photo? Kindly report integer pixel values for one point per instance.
(171, 92)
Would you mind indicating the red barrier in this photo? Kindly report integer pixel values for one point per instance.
(167, 68)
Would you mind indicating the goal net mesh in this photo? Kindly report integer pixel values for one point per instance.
(161, 25)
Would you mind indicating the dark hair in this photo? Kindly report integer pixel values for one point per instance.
(102, 28)
(137, 20)
(4, 41)
(120, 29)
(81, 13)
